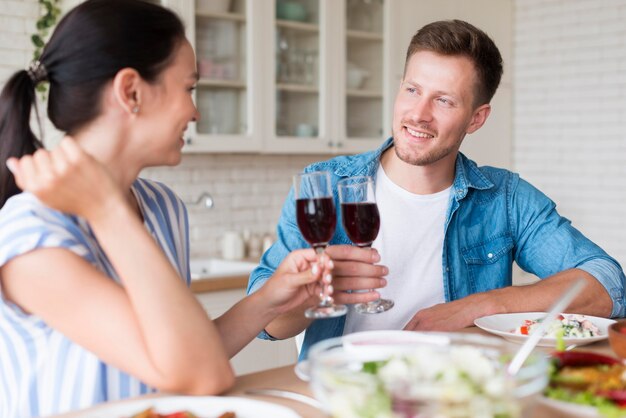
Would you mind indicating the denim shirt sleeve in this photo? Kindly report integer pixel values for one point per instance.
(547, 243)
(288, 239)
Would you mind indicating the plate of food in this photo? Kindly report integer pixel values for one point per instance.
(189, 407)
(586, 385)
(573, 328)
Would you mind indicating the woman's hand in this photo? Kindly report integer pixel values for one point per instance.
(66, 179)
(297, 279)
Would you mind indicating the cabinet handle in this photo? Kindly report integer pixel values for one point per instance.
(339, 144)
(188, 140)
(330, 144)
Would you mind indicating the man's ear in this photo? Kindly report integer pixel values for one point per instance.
(127, 90)
(479, 118)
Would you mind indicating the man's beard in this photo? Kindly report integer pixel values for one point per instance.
(424, 158)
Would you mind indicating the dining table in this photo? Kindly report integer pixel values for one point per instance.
(285, 378)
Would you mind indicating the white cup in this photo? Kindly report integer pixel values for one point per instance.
(232, 246)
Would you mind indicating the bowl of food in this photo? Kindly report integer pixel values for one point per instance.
(430, 374)
(585, 383)
(617, 338)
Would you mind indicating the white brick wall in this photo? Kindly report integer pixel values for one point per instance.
(17, 23)
(248, 190)
(570, 110)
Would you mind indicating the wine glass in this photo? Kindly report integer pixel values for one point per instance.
(316, 217)
(361, 221)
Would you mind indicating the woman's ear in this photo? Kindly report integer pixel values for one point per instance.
(127, 90)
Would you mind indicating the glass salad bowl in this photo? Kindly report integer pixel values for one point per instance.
(402, 374)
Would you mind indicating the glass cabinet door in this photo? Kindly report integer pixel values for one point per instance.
(220, 42)
(297, 52)
(364, 69)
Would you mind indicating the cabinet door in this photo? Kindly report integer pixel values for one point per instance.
(224, 38)
(298, 81)
(365, 91)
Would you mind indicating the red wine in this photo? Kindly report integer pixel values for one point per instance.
(361, 221)
(316, 219)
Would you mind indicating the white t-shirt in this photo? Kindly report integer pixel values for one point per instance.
(410, 243)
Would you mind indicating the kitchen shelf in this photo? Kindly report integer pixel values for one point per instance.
(364, 36)
(209, 82)
(297, 88)
(235, 17)
(368, 94)
(304, 27)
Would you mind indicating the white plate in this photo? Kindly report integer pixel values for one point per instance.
(570, 409)
(203, 406)
(504, 325)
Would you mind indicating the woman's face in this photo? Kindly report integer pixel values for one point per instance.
(168, 107)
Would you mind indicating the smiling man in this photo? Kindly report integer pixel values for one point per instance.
(450, 230)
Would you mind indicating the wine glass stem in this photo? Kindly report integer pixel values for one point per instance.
(325, 298)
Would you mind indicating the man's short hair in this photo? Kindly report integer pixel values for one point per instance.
(456, 37)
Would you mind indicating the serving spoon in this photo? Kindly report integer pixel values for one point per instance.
(558, 307)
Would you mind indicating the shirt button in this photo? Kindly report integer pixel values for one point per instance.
(447, 268)
(490, 255)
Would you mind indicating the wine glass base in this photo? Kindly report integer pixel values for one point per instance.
(375, 307)
(330, 311)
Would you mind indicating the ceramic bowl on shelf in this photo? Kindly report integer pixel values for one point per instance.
(356, 77)
(212, 6)
(289, 10)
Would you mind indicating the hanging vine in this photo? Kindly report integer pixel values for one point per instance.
(49, 12)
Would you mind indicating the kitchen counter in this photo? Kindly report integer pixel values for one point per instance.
(215, 275)
(217, 284)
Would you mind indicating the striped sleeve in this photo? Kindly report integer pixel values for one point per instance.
(26, 225)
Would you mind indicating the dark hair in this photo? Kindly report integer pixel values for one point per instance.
(456, 37)
(89, 46)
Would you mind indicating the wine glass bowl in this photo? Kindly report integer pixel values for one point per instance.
(361, 221)
(316, 217)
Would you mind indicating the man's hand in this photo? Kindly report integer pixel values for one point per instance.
(454, 315)
(355, 269)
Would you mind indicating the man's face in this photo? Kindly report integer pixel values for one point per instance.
(434, 108)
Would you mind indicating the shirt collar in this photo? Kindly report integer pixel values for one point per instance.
(467, 174)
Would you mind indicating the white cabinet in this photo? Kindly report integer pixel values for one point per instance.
(259, 354)
(290, 76)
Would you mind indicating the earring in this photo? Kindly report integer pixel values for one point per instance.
(135, 109)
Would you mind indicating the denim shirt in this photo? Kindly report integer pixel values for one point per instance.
(494, 218)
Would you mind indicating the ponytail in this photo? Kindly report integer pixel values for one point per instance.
(16, 137)
(89, 46)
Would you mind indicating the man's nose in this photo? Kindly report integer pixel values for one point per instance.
(421, 111)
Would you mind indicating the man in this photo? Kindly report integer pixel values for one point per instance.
(450, 231)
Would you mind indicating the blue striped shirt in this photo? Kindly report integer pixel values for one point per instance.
(41, 371)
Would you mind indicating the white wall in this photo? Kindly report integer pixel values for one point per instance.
(569, 92)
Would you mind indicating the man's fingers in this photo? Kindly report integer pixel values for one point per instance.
(352, 298)
(358, 283)
(353, 253)
(359, 269)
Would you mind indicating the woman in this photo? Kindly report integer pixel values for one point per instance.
(93, 260)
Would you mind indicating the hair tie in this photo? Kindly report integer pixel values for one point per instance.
(37, 72)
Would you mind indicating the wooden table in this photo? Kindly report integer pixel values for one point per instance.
(285, 378)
